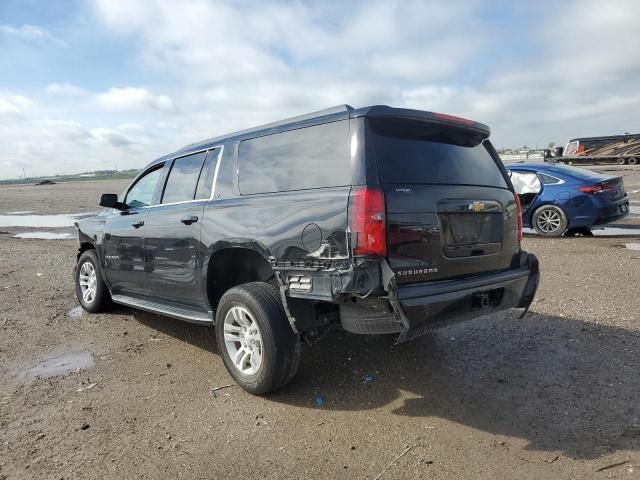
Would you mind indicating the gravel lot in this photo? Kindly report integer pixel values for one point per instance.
(554, 395)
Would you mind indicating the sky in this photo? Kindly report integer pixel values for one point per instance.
(103, 84)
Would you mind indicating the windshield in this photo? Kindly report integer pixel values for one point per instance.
(571, 148)
(418, 152)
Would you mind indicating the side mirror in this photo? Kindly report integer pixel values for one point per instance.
(110, 200)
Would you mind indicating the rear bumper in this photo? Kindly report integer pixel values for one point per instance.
(604, 211)
(427, 306)
(614, 211)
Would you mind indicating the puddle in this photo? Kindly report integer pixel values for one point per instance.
(75, 312)
(62, 364)
(632, 246)
(605, 231)
(43, 235)
(44, 221)
(617, 231)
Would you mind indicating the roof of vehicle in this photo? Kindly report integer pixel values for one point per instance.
(527, 166)
(332, 114)
(608, 137)
(557, 170)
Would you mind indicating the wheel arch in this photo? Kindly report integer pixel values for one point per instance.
(234, 265)
(84, 246)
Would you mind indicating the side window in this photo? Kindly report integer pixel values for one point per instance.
(141, 193)
(183, 178)
(525, 182)
(310, 157)
(206, 177)
(547, 180)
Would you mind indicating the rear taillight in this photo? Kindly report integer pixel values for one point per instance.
(367, 221)
(600, 188)
(519, 213)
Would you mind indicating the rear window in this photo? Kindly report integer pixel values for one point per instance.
(417, 152)
(575, 172)
(311, 157)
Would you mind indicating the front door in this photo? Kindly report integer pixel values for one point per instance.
(123, 241)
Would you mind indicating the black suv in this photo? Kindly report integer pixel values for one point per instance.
(378, 220)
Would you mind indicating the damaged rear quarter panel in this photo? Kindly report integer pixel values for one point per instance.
(273, 224)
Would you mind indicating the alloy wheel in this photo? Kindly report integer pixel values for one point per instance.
(243, 340)
(549, 221)
(88, 281)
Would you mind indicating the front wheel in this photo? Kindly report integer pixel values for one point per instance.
(91, 290)
(550, 221)
(258, 345)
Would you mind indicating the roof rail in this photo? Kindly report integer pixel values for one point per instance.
(299, 118)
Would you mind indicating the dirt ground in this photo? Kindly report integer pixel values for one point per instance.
(555, 395)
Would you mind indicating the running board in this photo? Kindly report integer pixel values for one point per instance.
(173, 311)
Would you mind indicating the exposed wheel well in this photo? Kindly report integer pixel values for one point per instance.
(234, 266)
(84, 247)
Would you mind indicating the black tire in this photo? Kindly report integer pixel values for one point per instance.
(632, 161)
(101, 299)
(579, 231)
(279, 345)
(621, 161)
(550, 221)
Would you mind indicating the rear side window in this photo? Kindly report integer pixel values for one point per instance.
(206, 176)
(525, 182)
(311, 157)
(548, 180)
(417, 152)
(183, 178)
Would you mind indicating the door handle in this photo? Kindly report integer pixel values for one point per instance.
(137, 224)
(189, 220)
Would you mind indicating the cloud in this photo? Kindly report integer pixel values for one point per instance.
(211, 67)
(65, 89)
(14, 105)
(31, 33)
(510, 69)
(130, 98)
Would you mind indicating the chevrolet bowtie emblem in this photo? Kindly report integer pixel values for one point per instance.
(476, 206)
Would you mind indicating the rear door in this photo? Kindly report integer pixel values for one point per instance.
(172, 236)
(527, 185)
(450, 212)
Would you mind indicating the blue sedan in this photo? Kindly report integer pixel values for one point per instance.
(558, 199)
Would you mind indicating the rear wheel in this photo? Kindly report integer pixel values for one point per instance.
(632, 161)
(621, 161)
(257, 343)
(550, 221)
(91, 291)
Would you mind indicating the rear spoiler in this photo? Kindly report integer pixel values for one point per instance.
(384, 111)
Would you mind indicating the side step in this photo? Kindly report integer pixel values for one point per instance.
(174, 311)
